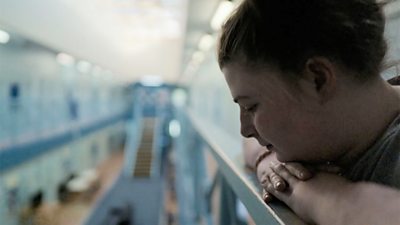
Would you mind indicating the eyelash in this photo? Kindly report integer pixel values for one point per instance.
(251, 108)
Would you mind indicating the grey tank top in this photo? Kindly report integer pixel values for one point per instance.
(381, 162)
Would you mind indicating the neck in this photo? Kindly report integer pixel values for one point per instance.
(372, 109)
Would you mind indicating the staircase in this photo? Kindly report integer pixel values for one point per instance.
(144, 155)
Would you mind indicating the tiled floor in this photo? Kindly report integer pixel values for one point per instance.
(75, 211)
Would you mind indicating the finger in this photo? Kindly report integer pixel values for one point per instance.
(267, 197)
(299, 171)
(273, 193)
(284, 173)
(264, 180)
(263, 169)
(278, 183)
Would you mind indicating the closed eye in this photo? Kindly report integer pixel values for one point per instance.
(251, 108)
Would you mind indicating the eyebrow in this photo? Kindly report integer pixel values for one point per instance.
(236, 99)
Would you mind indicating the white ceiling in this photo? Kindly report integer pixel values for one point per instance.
(131, 38)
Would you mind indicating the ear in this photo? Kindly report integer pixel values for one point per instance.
(320, 76)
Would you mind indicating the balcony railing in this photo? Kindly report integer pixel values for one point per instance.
(226, 151)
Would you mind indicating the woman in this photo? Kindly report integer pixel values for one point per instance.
(305, 75)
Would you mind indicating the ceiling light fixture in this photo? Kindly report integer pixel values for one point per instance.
(224, 9)
(65, 59)
(151, 81)
(83, 66)
(4, 37)
(205, 43)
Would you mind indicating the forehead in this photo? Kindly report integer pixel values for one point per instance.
(259, 84)
(243, 78)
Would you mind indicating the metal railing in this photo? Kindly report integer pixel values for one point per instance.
(226, 151)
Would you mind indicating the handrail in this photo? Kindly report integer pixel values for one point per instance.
(227, 152)
(391, 70)
(16, 153)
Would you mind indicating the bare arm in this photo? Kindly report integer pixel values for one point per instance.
(328, 199)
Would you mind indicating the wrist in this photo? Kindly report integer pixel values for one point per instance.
(261, 156)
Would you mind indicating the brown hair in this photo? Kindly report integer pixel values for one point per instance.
(287, 33)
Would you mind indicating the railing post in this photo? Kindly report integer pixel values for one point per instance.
(190, 174)
(228, 204)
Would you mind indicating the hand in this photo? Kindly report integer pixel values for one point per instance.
(266, 176)
(308, 198)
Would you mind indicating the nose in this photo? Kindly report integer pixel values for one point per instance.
(247, 128)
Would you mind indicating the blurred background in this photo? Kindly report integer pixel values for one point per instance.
(99, 101)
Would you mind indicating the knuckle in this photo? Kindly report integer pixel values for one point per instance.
(264, 181)
(275, 167)
(275, 177)
(280, 167)
(270, 188)
(264, 173)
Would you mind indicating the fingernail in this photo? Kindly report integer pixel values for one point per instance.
(278, 185)
(267, 198)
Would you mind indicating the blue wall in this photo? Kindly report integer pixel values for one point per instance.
(54, 121)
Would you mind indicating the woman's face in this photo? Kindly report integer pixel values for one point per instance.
(280, 116)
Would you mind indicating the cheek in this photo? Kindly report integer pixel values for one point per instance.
(272, 121)
(266, 125)
(260, 123)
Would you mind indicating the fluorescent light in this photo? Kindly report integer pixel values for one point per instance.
(174, 128)
(198, 57)
(151, 81)
(179, 97)
(224, 9)
(206, 42)
(65, 59)
(4, 37)
(83, 66)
